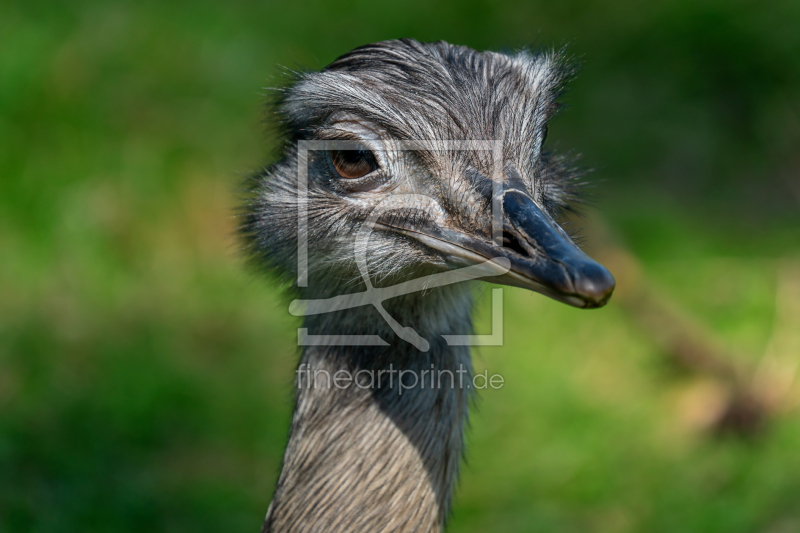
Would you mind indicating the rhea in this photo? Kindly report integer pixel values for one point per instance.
(426, 159)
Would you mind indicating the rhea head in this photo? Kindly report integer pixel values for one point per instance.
(395, 183)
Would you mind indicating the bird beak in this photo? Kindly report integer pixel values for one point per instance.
(554, 265)
(542, 257)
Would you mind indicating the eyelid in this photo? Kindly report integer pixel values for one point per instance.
(374, 143)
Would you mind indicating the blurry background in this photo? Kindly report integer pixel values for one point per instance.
(145, 373)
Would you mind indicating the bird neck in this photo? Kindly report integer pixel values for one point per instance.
(378, 431)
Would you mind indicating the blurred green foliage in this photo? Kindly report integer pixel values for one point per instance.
(145, 374)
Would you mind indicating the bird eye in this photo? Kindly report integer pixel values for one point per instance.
(353, 164)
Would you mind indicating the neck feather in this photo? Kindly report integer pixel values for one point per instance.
(378, 447)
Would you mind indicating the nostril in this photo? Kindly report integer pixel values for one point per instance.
(515, 243)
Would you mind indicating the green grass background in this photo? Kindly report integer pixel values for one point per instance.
(145, 372)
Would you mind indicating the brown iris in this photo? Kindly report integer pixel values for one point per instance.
(353, 164)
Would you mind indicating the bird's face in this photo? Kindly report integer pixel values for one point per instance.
(430, 158)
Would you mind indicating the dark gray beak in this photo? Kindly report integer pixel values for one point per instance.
(546, 258)
(541, 257)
